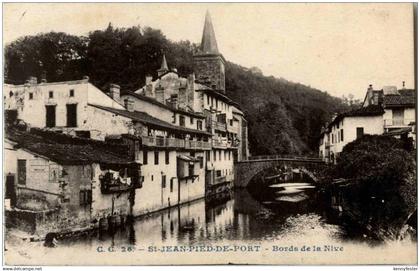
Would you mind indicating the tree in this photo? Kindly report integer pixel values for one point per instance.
(383, 174)
(59, 56)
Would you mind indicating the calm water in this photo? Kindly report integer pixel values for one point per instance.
(288, 211)
(287, 216)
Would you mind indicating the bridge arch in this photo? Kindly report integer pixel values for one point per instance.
(246, 170)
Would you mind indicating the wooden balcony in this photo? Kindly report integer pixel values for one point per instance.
(175, 143)
(390, 123)
(219, 126)
(224, 144)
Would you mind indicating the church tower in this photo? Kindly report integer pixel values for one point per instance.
(209, 64)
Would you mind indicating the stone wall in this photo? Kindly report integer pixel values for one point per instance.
(210, 70)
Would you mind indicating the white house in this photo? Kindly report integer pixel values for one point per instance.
(387, 111)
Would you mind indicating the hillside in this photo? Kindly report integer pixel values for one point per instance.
(284, 117)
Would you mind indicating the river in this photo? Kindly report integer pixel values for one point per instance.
(280, 231)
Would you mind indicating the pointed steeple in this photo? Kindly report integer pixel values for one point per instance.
(208, 41)
(163, 67)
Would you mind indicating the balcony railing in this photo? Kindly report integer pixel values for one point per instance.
(175, 143)
(397, 122)
(219, 126)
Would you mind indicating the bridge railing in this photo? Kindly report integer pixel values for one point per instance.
(291, 157)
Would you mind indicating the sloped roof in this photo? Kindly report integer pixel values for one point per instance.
(155, 102)
(371, 110)
(149, 120)
(405, 98)
(67, 150)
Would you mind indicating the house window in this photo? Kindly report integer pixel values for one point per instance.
(208, 99)
(50, 115)
(167, 157)
(208, 155)
(190, 169)
(11, 94)
(71, 115)
(181, 121)
(398, 116)
(218, 173)
(31, 96)
(214, 155)
(151, 178)
(342, 135)
(224, 155)
(191, 120)
(359, 132)
(174, 118)
(51, 94)
(220, 155)
(144, 157)
(163, 181)
(126, 103)
(85, 197)
(156, 158)
(201, 161)
(71, 93)
(171, 185)
(21, 170)
(229, 155)
(199, 125)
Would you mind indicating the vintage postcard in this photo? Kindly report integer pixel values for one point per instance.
(209, 133)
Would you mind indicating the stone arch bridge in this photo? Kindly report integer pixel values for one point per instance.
(245, 170)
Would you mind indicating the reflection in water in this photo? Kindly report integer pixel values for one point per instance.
(237, 219)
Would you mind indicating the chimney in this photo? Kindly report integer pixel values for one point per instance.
(403, 84)
(173, 101)
(32, 80)
(190, 90)
(370, 94)
(148, 91)
(129, 105)
(160, 94)
(114, 92)
(182, 96)
(44, 77)
(86, 77)
(148, 79)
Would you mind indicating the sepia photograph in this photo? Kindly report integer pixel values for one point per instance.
(209, 134)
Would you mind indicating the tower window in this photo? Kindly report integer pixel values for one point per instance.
(71, 93)
(31, 96)
(51, 94)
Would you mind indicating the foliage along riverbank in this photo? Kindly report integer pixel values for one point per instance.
(375, 186)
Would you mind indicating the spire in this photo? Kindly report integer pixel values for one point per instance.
(208, 41)
(163, 67)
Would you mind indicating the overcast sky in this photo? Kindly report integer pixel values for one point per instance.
(338, 48)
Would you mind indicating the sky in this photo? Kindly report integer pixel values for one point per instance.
(338, 48)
